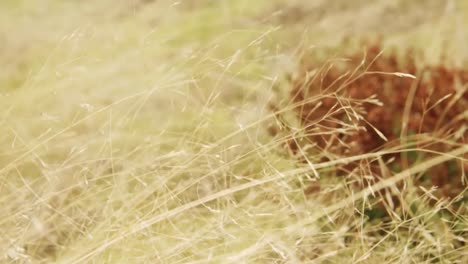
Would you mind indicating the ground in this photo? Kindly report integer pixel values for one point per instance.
(138, 132)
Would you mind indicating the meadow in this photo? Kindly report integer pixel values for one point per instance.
(163, 131)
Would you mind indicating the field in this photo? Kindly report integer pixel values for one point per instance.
(163, 131)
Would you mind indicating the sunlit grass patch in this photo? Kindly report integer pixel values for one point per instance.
(137, 131)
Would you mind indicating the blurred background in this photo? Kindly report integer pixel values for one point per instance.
(118, 117)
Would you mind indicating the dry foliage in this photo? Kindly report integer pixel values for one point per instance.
(358, 106)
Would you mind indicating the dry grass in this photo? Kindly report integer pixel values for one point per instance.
(137, 132)
(375, 101)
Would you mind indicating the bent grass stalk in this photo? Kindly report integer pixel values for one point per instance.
(386, 183)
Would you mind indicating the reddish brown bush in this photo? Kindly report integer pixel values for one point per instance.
(364, 105)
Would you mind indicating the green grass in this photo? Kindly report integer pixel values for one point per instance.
(136, 132)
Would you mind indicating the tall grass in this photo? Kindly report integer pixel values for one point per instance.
(137, 132)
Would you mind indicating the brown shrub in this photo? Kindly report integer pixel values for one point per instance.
(368, 105)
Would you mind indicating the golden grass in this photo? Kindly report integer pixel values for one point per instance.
(136, 132)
